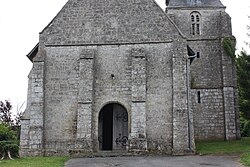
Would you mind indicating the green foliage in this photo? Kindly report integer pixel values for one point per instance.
(244, 127)
(35, 162)
(229, 47)
(11, 146)
(243, 74)
(245, 159)
(6, 133)
(8, 141)
(243, 78)
(9, 128)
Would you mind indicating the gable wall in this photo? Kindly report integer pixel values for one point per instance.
(104, 22)
(90, 40)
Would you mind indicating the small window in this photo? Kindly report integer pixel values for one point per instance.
(198, 54)
(197, 18)
(199, 96)
(192, 18)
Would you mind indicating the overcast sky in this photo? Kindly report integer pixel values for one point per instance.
(22, 20)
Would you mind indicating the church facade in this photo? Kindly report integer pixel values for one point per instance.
(120, 75)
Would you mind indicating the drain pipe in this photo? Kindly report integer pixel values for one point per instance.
(191, 57)
(187, 84)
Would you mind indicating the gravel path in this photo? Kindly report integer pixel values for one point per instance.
(157, 161)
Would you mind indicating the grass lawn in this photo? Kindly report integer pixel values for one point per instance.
(245, 159)
(241, 147)
(35, 162)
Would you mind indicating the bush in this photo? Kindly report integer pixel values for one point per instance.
(244, 127)
(9, 147)
(6, 133)
(8, 142)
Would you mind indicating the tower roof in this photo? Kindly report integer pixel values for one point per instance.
(190, 3)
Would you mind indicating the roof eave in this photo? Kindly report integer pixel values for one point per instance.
(33, 52)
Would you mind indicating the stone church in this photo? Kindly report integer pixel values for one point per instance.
(123, 75)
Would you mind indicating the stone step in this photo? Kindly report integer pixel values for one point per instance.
(113, 154)
(117, 153)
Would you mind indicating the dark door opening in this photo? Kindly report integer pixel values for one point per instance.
(113, 127)
(107, 130)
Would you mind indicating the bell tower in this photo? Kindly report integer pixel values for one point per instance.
(206, 26)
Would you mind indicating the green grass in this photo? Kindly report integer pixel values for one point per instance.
(223, 147)
(245, 159)
(35, 162)
(239, 147)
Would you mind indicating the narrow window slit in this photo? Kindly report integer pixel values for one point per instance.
(198, 54)
(193, 29)
(198, 29)
(199, 96)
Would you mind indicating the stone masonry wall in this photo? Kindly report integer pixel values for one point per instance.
(112, 82)
(31, 139)
(159, 99)
(116, 51)
(182, 138)
(61, 98)
(108, 22)
(208, 114)
(232, 125)
(61, 92)
(85, 98)
(138, 140)
(230, 116)
(117, 60)
(72, 117)
(205, 71)
(213, 22)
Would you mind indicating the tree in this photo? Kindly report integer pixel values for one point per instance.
(243, 80)
(243, 72)
(248, 34)
(5, 112)
(19, 114)
(243, 77)
(9, 128)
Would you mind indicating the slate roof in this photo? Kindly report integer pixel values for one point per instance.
(33, 53)
(188, 3)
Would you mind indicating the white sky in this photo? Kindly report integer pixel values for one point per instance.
(22, 20)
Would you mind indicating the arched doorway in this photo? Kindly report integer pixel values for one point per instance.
(113, 127)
